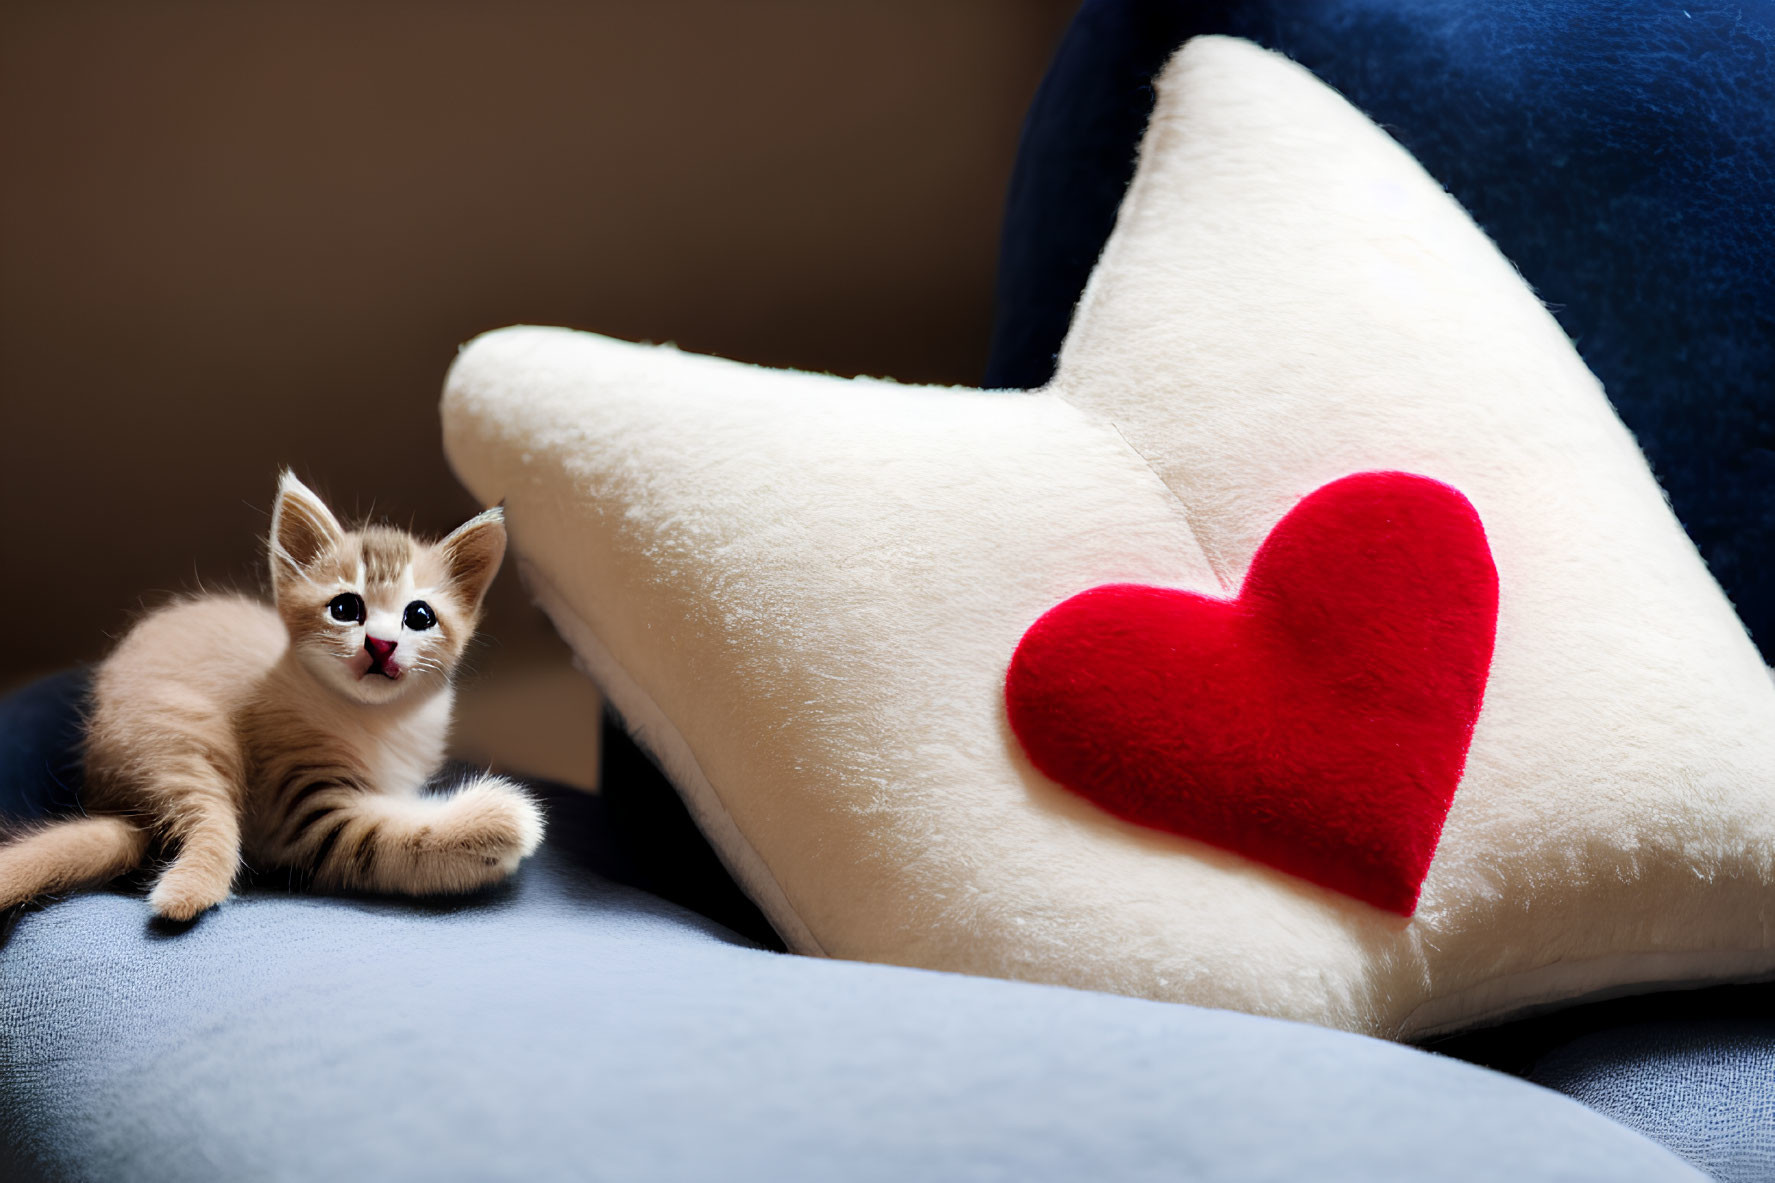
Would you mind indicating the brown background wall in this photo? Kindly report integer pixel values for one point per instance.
(240, 235)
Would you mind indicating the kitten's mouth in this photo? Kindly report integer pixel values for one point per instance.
(388, 669)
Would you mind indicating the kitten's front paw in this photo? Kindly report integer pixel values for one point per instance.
(182, 896)
(494, 820)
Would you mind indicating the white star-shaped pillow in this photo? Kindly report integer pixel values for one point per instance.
(806, 595)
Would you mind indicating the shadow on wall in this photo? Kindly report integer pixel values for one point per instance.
(239, 236)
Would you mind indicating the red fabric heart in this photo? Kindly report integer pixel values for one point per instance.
(1317, 722)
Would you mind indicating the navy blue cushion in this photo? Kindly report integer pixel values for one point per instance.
(40, 748)
(1622, 154)
(567, 1027)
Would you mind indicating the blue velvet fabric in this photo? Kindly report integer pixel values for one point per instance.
(1691, 1069)
(566, 1027)
(1620, 152)
(1686, 1084)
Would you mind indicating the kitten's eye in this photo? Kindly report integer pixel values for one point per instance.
(419, 616)
(347, 608)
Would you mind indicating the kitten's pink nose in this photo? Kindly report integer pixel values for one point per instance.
(379, 649)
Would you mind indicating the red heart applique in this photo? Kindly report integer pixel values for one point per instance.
(1317, 722)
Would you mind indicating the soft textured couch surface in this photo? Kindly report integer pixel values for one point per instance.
(567, 1026)
(1699, 1086)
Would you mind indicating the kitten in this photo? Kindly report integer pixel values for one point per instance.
(297, 736)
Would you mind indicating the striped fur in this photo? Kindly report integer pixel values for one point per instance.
(224, 729)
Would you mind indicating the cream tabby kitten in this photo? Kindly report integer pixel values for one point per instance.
(295, 737)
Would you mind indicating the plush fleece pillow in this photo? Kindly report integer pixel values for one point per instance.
(1349, 555)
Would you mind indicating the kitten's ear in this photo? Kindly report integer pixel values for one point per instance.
(302, 529)
(472, 553)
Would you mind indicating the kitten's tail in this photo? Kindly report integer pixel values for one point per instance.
(82, 852)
